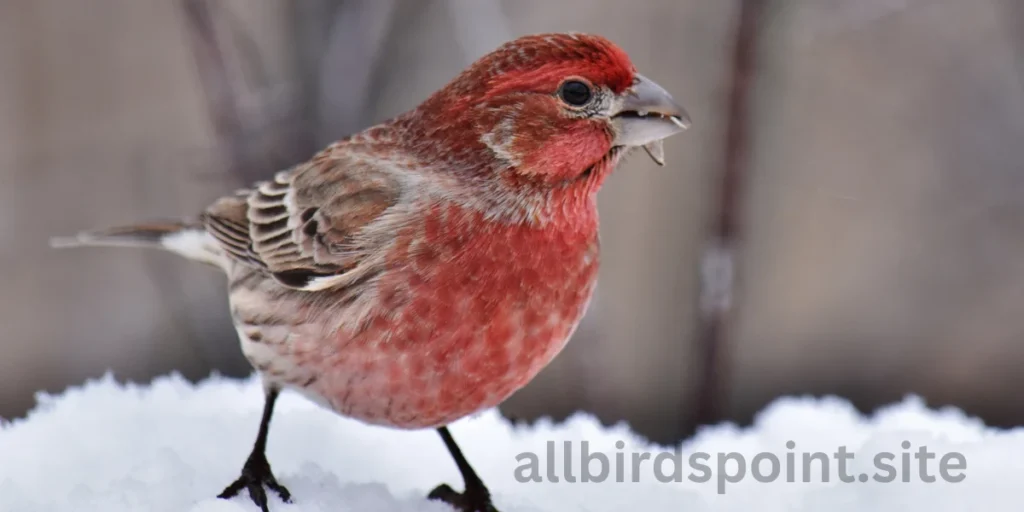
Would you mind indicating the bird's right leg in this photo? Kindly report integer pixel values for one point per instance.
(256, 472)
(475, 497)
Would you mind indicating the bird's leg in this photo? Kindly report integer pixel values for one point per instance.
(475, 497)
(256, 472)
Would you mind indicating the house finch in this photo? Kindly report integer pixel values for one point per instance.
(428, 267)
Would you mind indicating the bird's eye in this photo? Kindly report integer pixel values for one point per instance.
(575, 93)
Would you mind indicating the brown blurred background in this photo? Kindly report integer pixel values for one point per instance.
(867, 179)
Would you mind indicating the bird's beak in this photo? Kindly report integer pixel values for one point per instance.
(645, 115)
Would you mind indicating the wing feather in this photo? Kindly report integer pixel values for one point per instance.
(307, 227)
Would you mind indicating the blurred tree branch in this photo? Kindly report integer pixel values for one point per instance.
(220, 88)
(344, 66)
(258, 123)
(1015, 18)
(719, 257)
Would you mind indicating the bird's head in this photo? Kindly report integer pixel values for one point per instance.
(554, 108)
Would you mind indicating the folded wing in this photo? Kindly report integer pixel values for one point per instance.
(312, 226)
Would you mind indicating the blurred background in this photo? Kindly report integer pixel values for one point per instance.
(846, 216)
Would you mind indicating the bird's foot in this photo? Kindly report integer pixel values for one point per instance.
(473, 499)
(256, 475)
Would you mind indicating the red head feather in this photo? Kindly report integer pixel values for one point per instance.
(504, 107)
(539, 63)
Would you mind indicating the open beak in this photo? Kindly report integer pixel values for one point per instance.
(645, 115)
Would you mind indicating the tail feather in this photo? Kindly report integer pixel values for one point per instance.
(188, 240)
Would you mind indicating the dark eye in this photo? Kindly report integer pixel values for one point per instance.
(575, 93)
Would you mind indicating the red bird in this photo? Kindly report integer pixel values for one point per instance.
(428, 267)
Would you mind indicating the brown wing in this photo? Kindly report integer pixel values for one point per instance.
(307, 226)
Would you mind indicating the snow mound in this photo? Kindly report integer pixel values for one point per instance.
(172, 446)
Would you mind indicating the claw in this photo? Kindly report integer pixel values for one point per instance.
(478, 500)
(256, 475)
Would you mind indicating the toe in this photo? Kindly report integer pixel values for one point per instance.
(259, 496)
(232, 490)
(444, 493)
(463, 502)
(281, 491)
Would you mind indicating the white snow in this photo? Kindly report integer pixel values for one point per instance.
(172, 446)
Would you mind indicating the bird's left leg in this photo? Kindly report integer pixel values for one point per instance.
(475, 497)
(256, 472)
